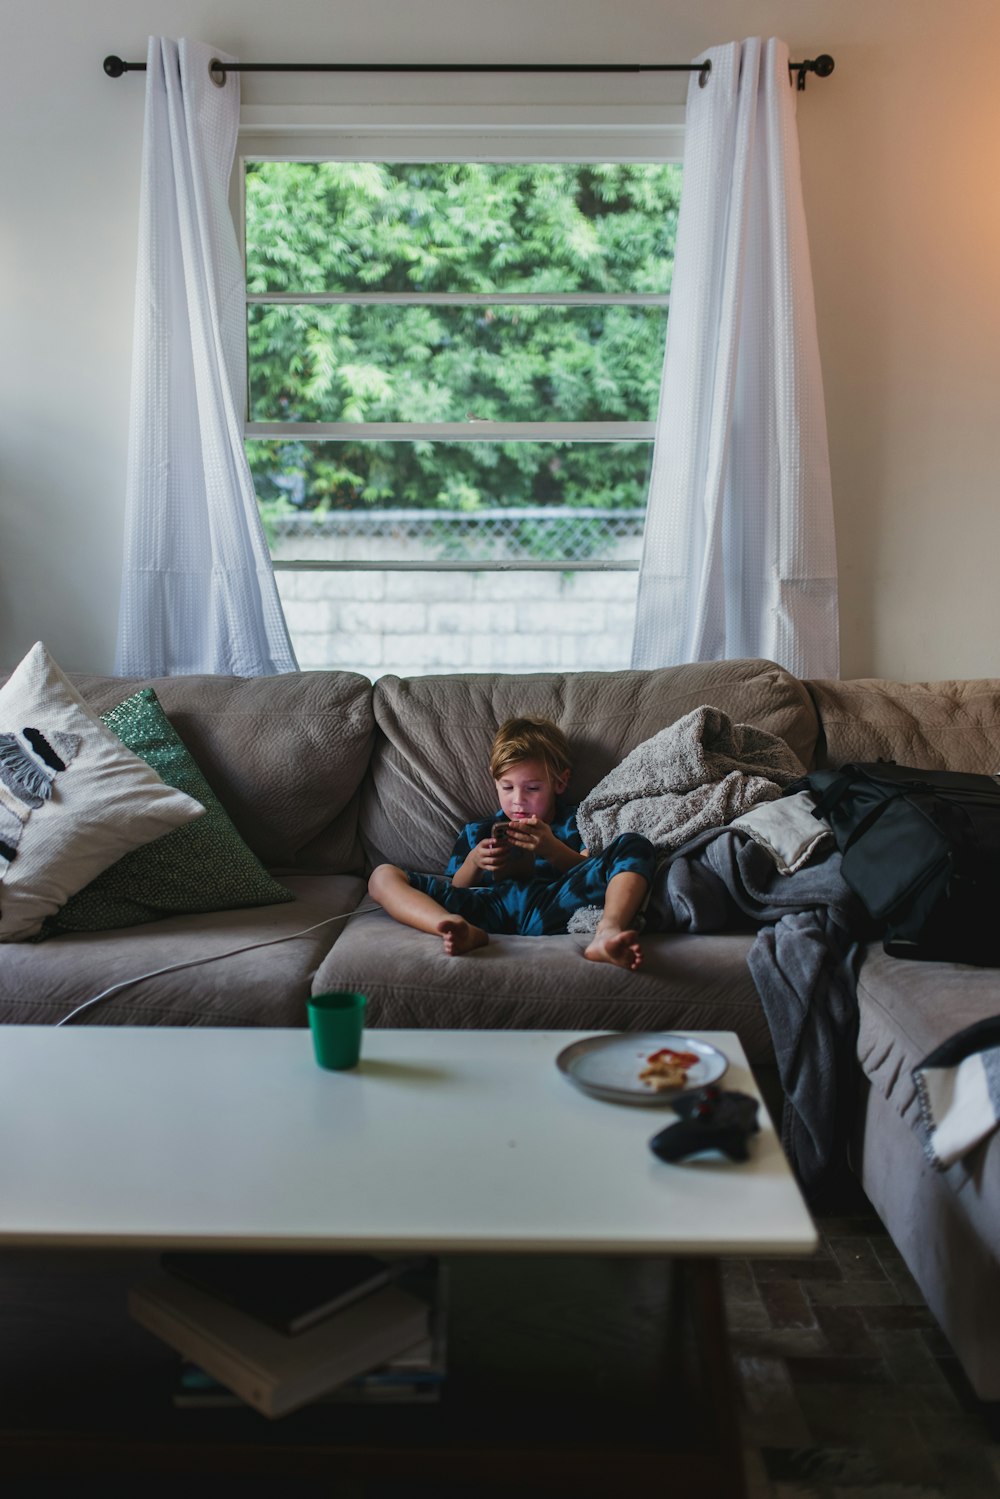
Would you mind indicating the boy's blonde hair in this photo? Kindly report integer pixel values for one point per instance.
(529, 739)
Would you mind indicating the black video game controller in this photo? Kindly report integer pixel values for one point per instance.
(711, 1119)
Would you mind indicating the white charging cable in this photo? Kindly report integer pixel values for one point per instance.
(211, 958)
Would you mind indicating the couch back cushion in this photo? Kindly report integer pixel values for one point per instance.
(931, 725)
(429, 773)
(284, 754)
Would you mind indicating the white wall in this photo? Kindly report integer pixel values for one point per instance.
(901, 166)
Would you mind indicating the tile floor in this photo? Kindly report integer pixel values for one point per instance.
(847, 1386)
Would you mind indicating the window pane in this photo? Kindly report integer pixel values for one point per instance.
(478, 501)
(445, 364)
(447, 226)
(411, 624)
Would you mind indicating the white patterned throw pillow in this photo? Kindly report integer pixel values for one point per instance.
(73, 799)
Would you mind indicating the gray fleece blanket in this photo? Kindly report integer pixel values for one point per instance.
(804, 963)
(697, 773)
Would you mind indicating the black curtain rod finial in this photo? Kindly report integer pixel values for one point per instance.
(822, 66)
(114, 67)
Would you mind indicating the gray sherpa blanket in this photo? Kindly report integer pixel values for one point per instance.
(698, 773)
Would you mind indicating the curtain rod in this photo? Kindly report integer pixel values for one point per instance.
(822, 66)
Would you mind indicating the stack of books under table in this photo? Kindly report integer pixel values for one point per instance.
(279, 1331)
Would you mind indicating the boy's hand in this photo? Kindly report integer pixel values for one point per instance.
(531, 838)
(530, 835)
(490, 854)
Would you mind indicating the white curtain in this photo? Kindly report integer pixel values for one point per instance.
(198, 589)
(739, 556)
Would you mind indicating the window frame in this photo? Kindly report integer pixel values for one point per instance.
(622, 127)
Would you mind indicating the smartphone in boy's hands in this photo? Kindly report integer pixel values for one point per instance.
(499, 832)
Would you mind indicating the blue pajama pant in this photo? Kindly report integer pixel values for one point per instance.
(535, 908)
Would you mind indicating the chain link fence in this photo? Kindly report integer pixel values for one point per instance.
(497, 535)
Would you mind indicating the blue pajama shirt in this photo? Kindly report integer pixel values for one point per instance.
(544, 903)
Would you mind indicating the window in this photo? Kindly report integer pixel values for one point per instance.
(454, 360)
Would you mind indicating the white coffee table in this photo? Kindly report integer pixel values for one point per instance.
(118, 1141)
(439, 1140)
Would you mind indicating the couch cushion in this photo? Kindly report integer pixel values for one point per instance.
(285, 755)
(429, 772)
(932, 725)
(531, 983)
(269, 985)
(906, 1009)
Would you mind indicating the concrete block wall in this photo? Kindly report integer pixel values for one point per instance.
(417, 623)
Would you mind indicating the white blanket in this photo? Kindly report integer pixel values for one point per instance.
(788, 830)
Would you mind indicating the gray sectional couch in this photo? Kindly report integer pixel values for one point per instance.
(325, 775)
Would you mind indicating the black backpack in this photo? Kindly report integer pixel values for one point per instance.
(921, 850)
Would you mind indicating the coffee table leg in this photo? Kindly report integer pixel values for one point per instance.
(696, 1349)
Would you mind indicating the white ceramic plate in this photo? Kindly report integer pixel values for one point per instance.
(608, 1067)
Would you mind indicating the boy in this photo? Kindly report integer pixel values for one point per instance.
(524, 870)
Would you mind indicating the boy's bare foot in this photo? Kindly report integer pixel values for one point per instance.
(460, 936)
(610, 946)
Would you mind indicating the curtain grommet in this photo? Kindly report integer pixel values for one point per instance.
(706, 68)
(217, 73)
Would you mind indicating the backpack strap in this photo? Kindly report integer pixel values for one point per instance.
(843, 784)
(834, 793)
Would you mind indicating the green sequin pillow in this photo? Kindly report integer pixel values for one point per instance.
(203, 866)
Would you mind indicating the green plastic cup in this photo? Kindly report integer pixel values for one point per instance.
(337, 1020)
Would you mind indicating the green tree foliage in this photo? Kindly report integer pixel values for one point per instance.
(369, 227)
